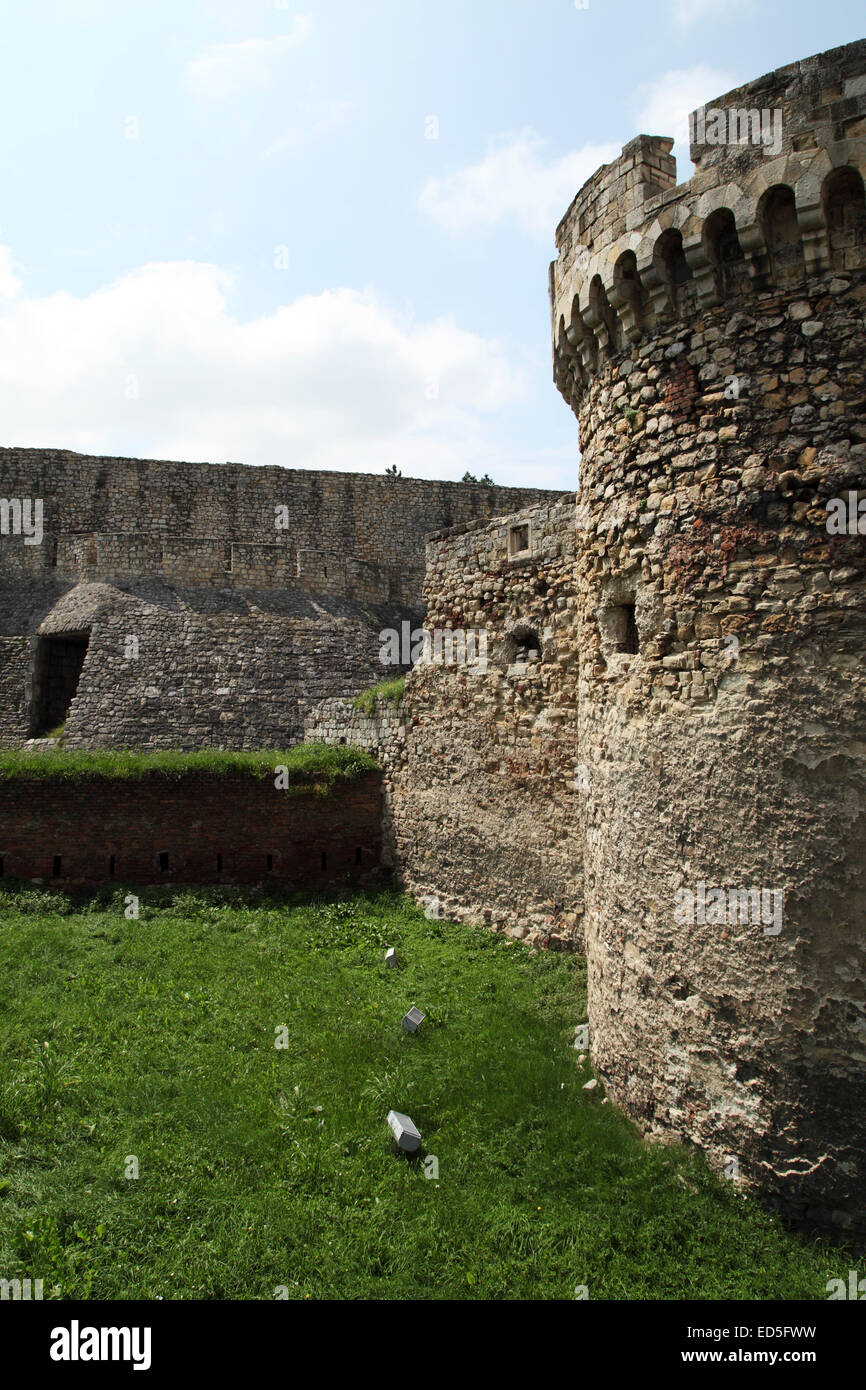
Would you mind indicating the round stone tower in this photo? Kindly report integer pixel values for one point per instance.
(710, 338)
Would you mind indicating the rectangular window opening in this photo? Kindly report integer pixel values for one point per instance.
(270, 862)
(111, 866)
(163, 862)
(359, 855)
(56, 866)
(324, 860)
(518, 540)
(219, 863)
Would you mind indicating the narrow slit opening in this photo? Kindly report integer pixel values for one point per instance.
(630, 639)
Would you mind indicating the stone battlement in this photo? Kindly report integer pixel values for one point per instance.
(776, 200)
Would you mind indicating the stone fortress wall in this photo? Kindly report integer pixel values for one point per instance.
(351, 535)
(701, 631)
(479, 764)
(239, 624)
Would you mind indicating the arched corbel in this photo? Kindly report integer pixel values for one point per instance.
(600, 317)
(655, 289)
(626, 296)
(583, 340)
(809, 203)
(701, 267)
(752, 241)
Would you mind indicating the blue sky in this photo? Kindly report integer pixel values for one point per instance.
(318, 234)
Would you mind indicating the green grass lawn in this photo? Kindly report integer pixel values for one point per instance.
(262, 1167)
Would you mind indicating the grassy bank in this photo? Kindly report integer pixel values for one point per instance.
(309, 761)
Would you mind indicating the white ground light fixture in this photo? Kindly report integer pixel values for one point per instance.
(412, 1019)
(407, 1136)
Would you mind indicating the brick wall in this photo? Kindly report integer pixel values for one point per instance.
(312, 839)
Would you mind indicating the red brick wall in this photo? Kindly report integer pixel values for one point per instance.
(681, 389)
(193, 821)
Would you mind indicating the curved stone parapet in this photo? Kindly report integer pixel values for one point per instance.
(777, 198)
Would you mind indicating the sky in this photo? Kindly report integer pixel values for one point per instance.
(318, 234)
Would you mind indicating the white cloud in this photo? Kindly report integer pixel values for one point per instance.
(156, 365)
(226, 69)
(662, 107)
(514, 182)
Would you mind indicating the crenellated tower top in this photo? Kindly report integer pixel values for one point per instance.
(776, 199)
